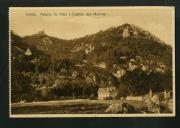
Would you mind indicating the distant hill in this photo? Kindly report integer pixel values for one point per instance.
(127, 40)
(126, 56)
(56, 47)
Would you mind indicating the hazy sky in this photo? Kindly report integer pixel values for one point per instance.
(159, 21)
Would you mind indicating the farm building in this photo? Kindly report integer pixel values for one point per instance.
(28, 52)
(119, 73)
(107, 93)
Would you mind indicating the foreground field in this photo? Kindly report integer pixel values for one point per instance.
(79, 106)
(66, 107)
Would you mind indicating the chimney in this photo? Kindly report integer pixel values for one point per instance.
(150, 93)
(165, 94)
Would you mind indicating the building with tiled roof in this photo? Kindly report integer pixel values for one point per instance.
(107, 93)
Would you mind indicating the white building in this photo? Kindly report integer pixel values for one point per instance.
(107, 93)
(75, 74)
(131, 67)
(120, 73)
(144, 67)
(126, 33)
(28, 52)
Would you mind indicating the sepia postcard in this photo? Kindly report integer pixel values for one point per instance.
(92, 61)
